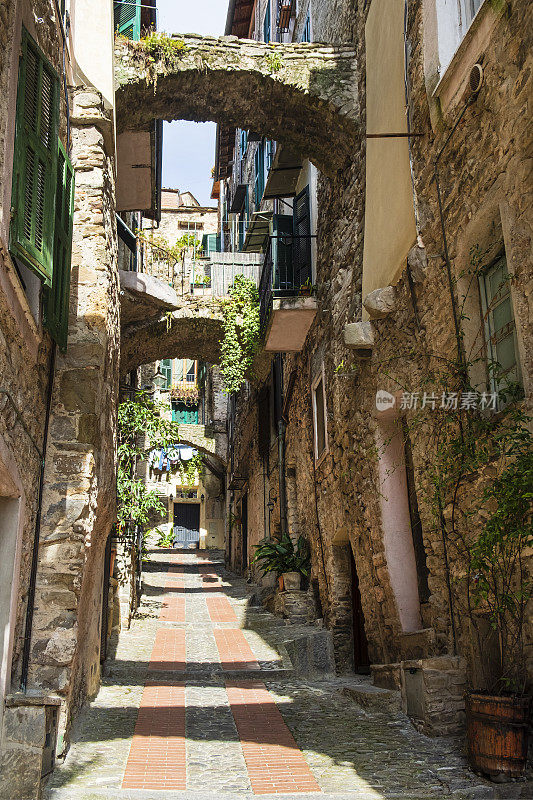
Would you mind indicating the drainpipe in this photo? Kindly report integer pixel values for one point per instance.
(30, 605)
(278, 411)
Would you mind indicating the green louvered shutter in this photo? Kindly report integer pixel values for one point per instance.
(128, 19)
(57, 301)
(34, 167)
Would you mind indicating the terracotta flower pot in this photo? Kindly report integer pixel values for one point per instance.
(291, 581)
(497, 733)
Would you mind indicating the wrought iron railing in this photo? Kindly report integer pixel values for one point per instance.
(286, 271)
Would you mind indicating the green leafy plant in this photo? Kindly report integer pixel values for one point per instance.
(165, 539)
(160, 47)
(281, 555)
(274, 62)
(241, 332)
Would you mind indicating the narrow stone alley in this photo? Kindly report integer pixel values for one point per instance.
(201, 701)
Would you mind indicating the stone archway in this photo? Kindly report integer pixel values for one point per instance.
(305, 95)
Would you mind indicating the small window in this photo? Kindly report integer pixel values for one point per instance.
(319, 416)
(259, 168)
(500, 329)
(244, 142)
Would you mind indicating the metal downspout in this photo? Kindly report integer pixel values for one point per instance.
(30, 605)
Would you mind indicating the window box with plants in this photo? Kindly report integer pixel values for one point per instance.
(289, 561)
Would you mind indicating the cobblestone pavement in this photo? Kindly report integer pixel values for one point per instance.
(205, 706)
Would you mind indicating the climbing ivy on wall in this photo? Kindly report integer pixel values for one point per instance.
(241, 332)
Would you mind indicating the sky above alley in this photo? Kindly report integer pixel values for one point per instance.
(189, 147)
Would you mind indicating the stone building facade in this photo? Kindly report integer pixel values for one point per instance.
(310, 451)
(384, 320)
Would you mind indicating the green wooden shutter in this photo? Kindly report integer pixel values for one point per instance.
(302, 239)
(57, 300)
(34, 167)
(128, 19)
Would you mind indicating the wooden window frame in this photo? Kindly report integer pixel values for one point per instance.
(321, 377)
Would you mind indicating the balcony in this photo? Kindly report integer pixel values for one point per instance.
(287, 306)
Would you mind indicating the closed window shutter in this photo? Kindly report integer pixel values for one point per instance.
(57, 301)
(31, 234)
(302, 239)
(128, 19)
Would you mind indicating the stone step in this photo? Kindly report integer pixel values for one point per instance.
(373, 697)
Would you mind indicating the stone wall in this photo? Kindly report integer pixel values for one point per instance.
(336, 501)
(79, 501)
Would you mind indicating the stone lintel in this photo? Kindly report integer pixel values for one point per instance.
(18, 699)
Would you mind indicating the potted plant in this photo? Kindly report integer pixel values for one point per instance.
(288, 561)
(500, 589)
(306, 289)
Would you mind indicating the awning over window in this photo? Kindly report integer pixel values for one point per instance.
(283, 174)
(257, 232)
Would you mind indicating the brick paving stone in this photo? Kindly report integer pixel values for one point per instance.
(173, 610)
(169, 650)
(221, 610)
(157, 755)
(273, 759)
(234, 650)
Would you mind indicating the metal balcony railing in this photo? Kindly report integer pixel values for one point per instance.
(286, 271)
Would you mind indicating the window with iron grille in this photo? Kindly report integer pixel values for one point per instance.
(42, 199)
(499, 324)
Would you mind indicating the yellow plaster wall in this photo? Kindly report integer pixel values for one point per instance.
(389, 219)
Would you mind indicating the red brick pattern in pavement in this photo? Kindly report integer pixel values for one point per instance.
(273, 760)
(157, 754)
(234, 650)
(173, 610)
(169, 649)
(221, 610)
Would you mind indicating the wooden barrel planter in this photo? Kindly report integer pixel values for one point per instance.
(497, 733)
